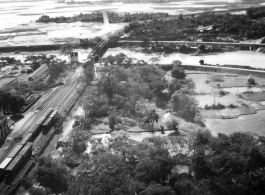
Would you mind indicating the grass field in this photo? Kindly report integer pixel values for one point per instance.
(254, 96)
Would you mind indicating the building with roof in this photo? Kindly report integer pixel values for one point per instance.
(37, 74)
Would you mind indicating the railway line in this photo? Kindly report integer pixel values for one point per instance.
(38, 119)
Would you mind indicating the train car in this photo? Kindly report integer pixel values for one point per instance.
(53, 114)
(14, 151)
(41, 120)
(35, 130)
(48, 112)
(26, 139)
(4, 164)
(14, 165)
(26, 150)
(47, 125)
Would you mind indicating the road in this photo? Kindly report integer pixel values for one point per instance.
(57, 98)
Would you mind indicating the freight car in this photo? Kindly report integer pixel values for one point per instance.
(47, 124)
(10, 166)
(20, 154)
(37, 127)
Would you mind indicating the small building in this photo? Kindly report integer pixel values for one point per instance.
(37, 74)
(74, 57)
(205, 28)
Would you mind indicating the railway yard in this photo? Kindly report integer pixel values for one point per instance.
(32, 134)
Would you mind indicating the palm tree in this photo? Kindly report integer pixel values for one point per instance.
(151, 117)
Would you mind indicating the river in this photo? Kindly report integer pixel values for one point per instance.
(249, 58)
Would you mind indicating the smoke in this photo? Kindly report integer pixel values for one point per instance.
(105, 19)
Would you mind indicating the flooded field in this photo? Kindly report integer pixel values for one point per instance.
(244, 119)
(247, 123)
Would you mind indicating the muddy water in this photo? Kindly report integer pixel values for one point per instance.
(247, 123)
(249, 58)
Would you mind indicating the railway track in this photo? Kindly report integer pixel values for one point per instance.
(57, 96)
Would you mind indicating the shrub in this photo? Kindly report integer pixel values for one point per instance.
(201, 62)
(178, 73)
(251, 80)
(232, 106)
(198, 120)
(206, 107)
(172, 124)
(112, 122)
(223, 93)
(218, 106)
(167, 67)
(79, 147)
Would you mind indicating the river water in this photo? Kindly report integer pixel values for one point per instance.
(249, 58)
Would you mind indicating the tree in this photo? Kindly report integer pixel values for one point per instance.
(202, 47)
(10, 103)
(109, 176)
(55, 68)
(112, 121)
(157, 189)
(178, 73)
(16, 103)
(51, 175)
(176, 63)
(152, 117)
(67, 49)
(78, 142)
(154, 60)
(94, 104)
(251, 80)
(184, 105)
(145, 43)
(38, 60)
(89, 73)
(201, 62)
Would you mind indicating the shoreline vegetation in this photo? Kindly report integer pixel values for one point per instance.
(113, 17)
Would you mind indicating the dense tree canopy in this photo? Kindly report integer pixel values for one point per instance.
(219, 165)
(10, 102)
